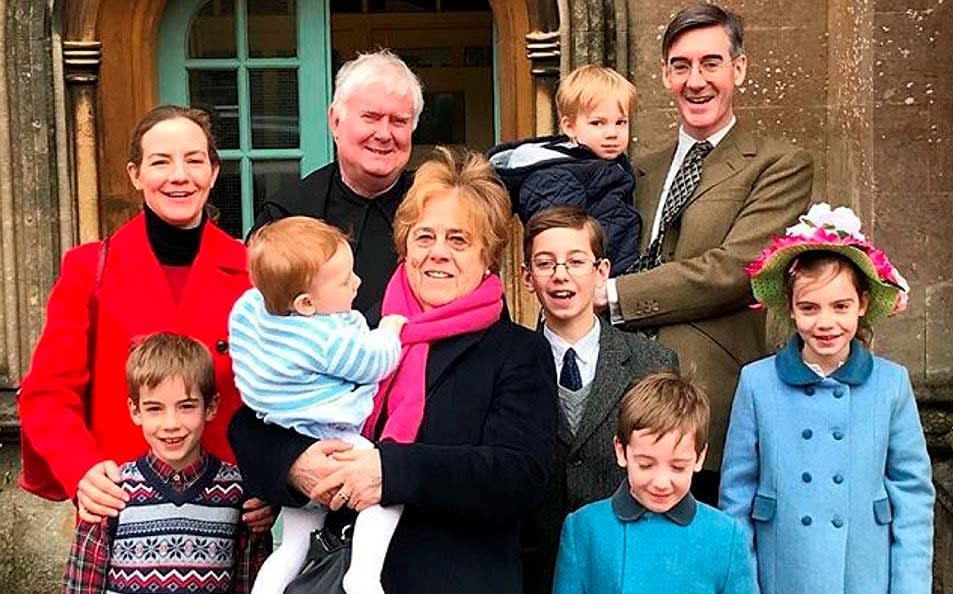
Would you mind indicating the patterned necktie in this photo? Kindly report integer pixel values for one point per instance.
(569, 377)
(683, 186)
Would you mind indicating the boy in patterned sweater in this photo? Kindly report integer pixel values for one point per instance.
(181, 529)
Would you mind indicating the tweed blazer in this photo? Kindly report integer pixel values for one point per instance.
(751, 188)
(584, 466)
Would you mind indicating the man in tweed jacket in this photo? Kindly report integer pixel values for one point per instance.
(695, 296)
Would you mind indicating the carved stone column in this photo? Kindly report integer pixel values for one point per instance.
(543, 51)
(81, 60)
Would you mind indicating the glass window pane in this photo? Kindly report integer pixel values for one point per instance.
(271, 29)
(272, 176)
(465, 6)
(212, 34)
(402, 5)
(226, 198)
(274, 108)
(340, 6)
(216, 91)
(443, 120)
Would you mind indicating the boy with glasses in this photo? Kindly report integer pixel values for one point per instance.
(565, 252)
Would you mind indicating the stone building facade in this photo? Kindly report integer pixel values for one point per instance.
(866, 85)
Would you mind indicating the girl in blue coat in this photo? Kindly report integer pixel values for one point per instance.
(825, 459)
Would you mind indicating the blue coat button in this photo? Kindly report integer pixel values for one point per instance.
(838, 392)
(809, 390)
(806, 520)
(838, 522)
(838, 435)
(806, 477)
(838, 479)
(807, 434)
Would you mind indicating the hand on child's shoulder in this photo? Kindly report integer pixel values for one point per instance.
(393, 323)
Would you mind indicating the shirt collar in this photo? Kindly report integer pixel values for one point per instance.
(628, 509)
(792, 369)
(180, 479)
(685, 141)
(587, 347)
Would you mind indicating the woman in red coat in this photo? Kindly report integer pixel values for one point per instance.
(168, 269)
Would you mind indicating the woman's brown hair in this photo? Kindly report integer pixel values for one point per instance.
(162, 113)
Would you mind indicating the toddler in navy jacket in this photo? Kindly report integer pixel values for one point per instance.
(586, 165)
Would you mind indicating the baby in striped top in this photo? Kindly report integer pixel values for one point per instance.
(304, 360)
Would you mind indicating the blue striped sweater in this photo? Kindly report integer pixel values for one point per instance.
(315, 374)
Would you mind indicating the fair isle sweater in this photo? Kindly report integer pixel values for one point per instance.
(167, 540)
(314, 374)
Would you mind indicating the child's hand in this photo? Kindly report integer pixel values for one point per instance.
(392, 323)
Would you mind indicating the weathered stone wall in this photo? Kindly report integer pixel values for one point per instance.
(867, 86)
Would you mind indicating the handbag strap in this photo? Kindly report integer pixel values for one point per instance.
(93, 306)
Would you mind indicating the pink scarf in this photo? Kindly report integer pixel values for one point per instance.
(402, 393)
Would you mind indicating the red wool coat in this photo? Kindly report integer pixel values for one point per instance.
(134, 299)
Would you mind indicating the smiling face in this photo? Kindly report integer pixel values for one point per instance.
(372, 129)
(659, 470)
(334, 286)
(604, 128)
(172, 419)
(566, 299)
(701, 76)
(175, 175)
(826, 308)
(445, 257)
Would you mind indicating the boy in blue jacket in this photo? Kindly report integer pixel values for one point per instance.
(586, 165)
(651, 535)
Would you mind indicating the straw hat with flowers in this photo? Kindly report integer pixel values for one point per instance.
(832, 230)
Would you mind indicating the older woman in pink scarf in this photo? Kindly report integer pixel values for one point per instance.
(464, 428)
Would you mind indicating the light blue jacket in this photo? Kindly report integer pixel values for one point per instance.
(615, 546)
(831, 475)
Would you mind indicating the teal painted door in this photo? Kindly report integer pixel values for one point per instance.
(262, 69)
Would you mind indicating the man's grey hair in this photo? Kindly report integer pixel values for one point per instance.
(380, 67)
(701, 16)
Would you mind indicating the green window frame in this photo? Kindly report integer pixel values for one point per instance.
(311, 63)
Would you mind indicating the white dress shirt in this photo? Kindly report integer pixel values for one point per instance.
(587, 351)
(685, 144)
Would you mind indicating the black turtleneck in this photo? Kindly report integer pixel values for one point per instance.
(173, 246)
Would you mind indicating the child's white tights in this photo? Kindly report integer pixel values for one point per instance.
(373, 531)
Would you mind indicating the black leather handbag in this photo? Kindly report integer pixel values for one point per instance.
(329, 557)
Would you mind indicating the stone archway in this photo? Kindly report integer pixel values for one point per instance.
(110, 66)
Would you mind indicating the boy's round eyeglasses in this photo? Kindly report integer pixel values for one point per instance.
(682, 70)
(545, 268)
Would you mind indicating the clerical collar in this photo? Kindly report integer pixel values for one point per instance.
(353, 192)
(173, 246)
(628, 509)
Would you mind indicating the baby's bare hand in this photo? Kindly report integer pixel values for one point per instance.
(393, 323)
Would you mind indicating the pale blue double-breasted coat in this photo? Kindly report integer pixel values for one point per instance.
(831, 475)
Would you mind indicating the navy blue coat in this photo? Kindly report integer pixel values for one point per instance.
(549, 171)
(483, 452)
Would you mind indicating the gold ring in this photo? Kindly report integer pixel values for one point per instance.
(344, 496)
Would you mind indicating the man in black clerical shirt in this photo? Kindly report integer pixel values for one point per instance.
(377, 101)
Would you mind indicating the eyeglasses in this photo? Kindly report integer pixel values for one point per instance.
(574, 267)
(681, 70)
